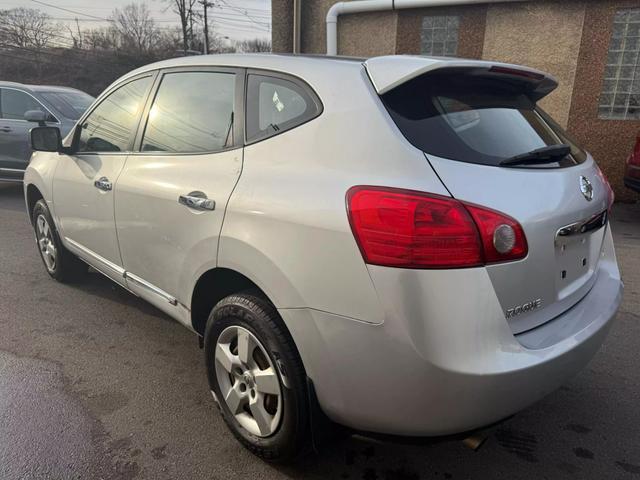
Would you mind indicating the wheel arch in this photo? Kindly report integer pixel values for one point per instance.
(32, 194)
(214, 285)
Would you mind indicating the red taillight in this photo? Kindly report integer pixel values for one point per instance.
(404, 228)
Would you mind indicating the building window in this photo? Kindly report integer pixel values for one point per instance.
(620, 98)
(440, 35)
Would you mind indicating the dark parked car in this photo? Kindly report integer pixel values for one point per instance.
(61, 107)
(632, 175)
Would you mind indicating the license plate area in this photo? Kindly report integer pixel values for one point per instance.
(577, 249)
(573, 258)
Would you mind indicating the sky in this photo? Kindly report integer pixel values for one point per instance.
(235, 19)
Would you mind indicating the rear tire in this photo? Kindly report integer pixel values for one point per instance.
(60, 263)
(257, 377)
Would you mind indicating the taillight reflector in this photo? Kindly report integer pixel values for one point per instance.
(490, 224)
(403, 228)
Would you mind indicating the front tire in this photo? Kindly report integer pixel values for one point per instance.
(257, 377)
(59, 262)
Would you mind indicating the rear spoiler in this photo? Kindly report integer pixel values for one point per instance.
(387, 73)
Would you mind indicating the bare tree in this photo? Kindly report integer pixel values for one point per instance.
(27, 28)
(76, 36)
(185, 10)
(100, 39)
(254, 46)
(135, 27)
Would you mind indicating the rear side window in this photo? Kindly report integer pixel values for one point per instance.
(474, 120)
(191, 113)
(276, 104)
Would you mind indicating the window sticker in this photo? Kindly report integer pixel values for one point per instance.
(276, 101)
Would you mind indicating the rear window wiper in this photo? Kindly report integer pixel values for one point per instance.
(550, 154)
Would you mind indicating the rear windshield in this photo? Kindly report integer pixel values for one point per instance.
(474, 120)
(70, 104)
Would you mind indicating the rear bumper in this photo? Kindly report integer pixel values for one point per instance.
(445, 360)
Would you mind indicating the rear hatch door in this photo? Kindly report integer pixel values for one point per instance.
(478, 124)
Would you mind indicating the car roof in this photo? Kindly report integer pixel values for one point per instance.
(52, 88)
(276, 61)
(386, 72)
(14, 85)
(38, 88)
(307, 67)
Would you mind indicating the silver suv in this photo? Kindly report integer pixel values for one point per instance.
(406, 245)
(22, 104)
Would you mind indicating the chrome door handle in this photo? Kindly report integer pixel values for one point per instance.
(103, 184)
(197, 201)
(5, 129)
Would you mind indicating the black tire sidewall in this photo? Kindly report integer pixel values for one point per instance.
(68, 267)
(286, 441)
(41, 208)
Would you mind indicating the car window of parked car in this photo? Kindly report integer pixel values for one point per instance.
(70, 104)
(110, 126)
(191, 113)
(276, 104)
(15, 103)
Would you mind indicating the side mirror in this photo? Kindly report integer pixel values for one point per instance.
(46, 139)
(35, 116)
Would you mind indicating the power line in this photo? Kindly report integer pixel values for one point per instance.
(240, 22)
(69, 46)
(244, 12)
(225, 26)
(254, 11)
(70, 11)
(4, 24)
(227, 16)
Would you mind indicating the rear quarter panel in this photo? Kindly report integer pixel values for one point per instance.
(286, 225)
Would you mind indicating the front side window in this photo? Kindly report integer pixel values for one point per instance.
(110, 127)
(439, 35)
(275, 104)
(15, 104)
(620, 98)
(191, 113)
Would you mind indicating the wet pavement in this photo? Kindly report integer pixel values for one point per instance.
(96, 384)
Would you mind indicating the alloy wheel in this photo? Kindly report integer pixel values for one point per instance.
(248, 381)
(46, 244)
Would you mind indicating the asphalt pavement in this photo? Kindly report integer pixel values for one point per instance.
(96, 384)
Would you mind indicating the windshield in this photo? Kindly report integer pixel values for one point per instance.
(475, 120)
(71, 104)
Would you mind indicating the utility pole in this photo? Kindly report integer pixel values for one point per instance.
(191, 29)
(205, 4)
